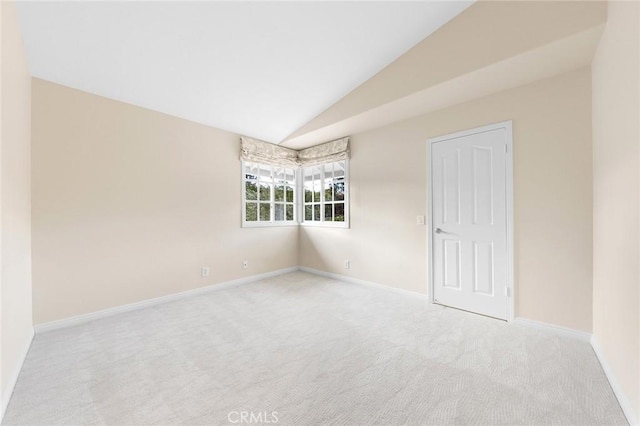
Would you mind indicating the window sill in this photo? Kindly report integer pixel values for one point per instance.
(268, 224)
(341, 225)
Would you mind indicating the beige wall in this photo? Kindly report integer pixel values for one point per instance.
(128, 204)
(553, 198)
(616, 139)
(16, 327)
(481, 36)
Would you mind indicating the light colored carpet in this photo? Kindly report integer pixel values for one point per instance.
(316, 351)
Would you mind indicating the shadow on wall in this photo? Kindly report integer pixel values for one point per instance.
(311, 251)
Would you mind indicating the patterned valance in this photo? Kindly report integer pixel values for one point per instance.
(267, 153)
(325, 153)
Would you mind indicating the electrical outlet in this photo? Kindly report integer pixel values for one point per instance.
(205, 271)
(420, 220)
(347, 264)
(245, 264)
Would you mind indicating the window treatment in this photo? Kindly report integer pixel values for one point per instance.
(267, 153)
(324, 153)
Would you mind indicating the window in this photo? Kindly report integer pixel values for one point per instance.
(273, 176)
(269, 195)
(326, 194)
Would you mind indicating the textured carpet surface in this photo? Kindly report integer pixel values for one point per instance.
(305, 350)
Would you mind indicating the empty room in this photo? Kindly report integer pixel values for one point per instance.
(319, 213)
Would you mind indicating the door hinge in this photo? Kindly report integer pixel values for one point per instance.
(507, 291)
(506, 148)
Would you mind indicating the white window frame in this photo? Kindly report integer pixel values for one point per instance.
(272, 202)
(321, 222)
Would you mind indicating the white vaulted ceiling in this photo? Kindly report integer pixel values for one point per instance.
(258, 68)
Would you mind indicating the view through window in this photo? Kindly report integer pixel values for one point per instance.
(270, 195)
(325, 193)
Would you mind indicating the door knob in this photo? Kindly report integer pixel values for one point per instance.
(439, 231)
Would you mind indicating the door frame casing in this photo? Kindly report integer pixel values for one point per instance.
(508, 126)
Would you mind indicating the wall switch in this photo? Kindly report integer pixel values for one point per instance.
(205, 271)
(420, 220)
(347, 264)
(245, 264)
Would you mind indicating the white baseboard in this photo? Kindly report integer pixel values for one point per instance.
(625, 404)
(80, 319)
(14, 376)
(363, 282)
(557, 329)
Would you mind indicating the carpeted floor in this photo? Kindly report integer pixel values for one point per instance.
(305, 350)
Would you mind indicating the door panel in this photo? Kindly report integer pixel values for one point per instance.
(483, 278)
(469, 222)
(482, 185)
(451, 263)
(451, 188)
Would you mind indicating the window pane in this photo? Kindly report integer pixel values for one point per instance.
(265, 174)
(308, 190)
(278, 174)
(339, 212)
(265, 212)
(251, 190)
(316, 212)
(289, 194)
(316, 191)
(308, 172)
(265, 192)
(338, 188)
(290, 176)
(328, 212)
(308, 212)
(279, 193)
(289, 211)
(251, 169)
(328, 190)
(251, 213)
(328, 170)
(279, 212)
(265, 187)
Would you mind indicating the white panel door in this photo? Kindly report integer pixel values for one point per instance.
(469, 221)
